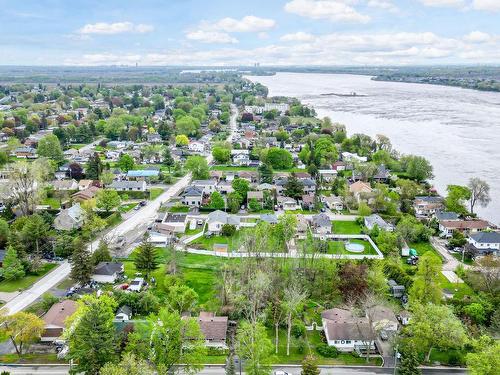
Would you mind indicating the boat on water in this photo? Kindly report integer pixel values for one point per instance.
(351, 94)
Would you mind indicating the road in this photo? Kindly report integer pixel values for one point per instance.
(450, 263)
(219, 370)
(135, 224)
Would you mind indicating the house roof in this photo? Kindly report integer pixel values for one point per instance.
(108, 268)
(143, 173)
(350, 331)
(269, 218)
(192, 191)
(64, 184)
(58, 313)
(255, 195)
(446, 215)
(486, 237)
(321, 220)
(175, 217)
(360, 187)
(124, 310)
(124, 184)
(203, 182)
(223, 217)
(465, 224)
(429, 199)
(87, 193)
(213, 327)
(375, 219)
(265, 186)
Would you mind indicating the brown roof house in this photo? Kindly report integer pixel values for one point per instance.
(214, 329)
(55, 319)
(346, 332)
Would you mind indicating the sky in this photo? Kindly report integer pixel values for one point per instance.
(235, 32)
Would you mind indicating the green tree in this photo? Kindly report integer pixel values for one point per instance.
(457, 198)
(107, 200)
(234, 201)
(241, 186)
(278, 158)
(81, 263)
(221, 155)
(485, 359)
(12, 267)
(181, 140)
(198, 166)
(181, 298)
(412, 230)
(187, 125)
(21, 328)
(168, 160)
(409, 360)
(92, 341)
(169, 336)
(417, 167)
(425, 288)
(216, 201)
(129, 365)
(265, 173)
(101, 254)
(310, 366)
(146, 258)
(254, 347)
(126, 162)
(35, 231)
(94, 167)
(435, 326)
(325, 151)
(293, 187)
(50, 147)
(254, 205)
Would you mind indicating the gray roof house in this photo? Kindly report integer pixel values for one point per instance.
(107, 272)
(70, 218)
(125, 185)
(192, 196)
(446, 216)
(375, 220)
(484, 243)
(216, 219)
(322, 224)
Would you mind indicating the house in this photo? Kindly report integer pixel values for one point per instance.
(327, 175)
(196, 146)
(265, 186)
(125, 185)
(288, 204)
(136, 285)
(63, 185)
(214, 328)
(309, 186)
(206, 186)
(339, 166)
(382, 174)
(446, 216)
(484, 243)
(321, 224)
(123, 314)
(350, 157)
(302, 226)
(448, 227)
(358, 188)
(217, 219)
(86, 194)
(241, 159)
(375, 220)
(85, 184)
(396, 290)
(70, 218)
(269, 218)
(54, 319)
(250, 176)
(383, 320)
(25, 152)
(346, 332)
(279, 107)
(426, 206)
(308, 201)
(144, 173)
(224, 187)
(257, 195)
(108, 272)
(333, 203)
(192, 196)
(173, 223)
(154, 138)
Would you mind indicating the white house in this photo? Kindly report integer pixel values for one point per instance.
(107, 272)
(217, 219)
(136, 285)
(288, 204)
(196, 146)
(280, 107)
(327, 175)
(333, 203)
(70, 218)
(125, 185)
(206, 186)
(173, 223)
(123, 314)
(375, 220)
(483, 243)
(192, 196)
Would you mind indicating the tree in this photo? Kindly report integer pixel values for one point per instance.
(425, 288)
(293, 187)
(234, 201)
(253, 346)
(216, 201)
(435, 326)
(324, 151)
(309, 366)
(241, 186)
(21, 328)
(228, 230)
(485, 360)
(265, 173)
(50, 147)
(254, 205)
(75, 171)
(293, 301)
(187, 125)
(181, 298)
(81, 263)
(417, 167)
(146, 259)
(107, 199)
(94, 167)
(456, 199)
(34, 231)
(169, 337)
(221, 155)
(101, 254)
(168, 160)
(278, 158)
(479, 193)
(198, 166)
(12, 267)
(92, 338)
(126, 162)
(412, 230)
(181, 140)
(129, 365)
(409, 360)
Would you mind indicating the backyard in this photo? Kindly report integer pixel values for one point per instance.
(346, 227)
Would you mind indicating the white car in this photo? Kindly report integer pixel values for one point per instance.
(279, 372)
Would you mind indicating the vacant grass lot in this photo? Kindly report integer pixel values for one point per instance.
(26, 281)
(126, 207)
(155, 193)
(346, 227)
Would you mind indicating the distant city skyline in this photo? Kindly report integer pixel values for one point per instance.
(225, 32)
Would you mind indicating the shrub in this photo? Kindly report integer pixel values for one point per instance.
(228, 230)
(298, 329)
(327, 351)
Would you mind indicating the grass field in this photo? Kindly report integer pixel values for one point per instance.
(26, 281)
(208, 243)
(346, 227)
(126, 207)
(155, 193)
(52, 202)
(31, 358)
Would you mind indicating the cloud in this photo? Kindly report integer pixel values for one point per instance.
(478, 37)
(248, 24)
(487, 5)
(443, 3)
(211, 37)
(383, 4)
(299, 36)
(333, 10)
(115, 28)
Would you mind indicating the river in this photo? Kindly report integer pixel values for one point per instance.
(457, 130)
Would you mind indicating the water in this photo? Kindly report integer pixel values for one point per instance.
(458, 130)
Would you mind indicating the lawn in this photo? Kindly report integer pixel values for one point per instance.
(26, 281)
(230, 168)
(233, 241)
(346, 227)
(155, 193)
(52, 202)
(338, 247)
(31, 358)
(126, 207)
(178, 209)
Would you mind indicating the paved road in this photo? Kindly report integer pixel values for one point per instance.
(450, 263)
(135, 224)
(219, 370)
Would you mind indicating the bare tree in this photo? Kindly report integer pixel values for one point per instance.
(480, 193)
(293, 300)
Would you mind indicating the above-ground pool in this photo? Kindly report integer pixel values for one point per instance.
(354, 247)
